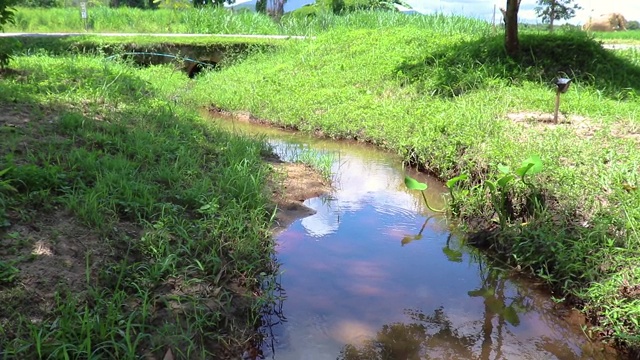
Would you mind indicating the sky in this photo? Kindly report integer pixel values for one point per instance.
(483, 9)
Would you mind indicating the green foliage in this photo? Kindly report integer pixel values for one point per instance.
(8, 273)
(217, 20)
(633, 25)
(39, 3)
(7, 16)
(413, 184)
(500, 189)
(551, 10)
(7, 13)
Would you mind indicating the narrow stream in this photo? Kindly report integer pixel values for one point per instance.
(375, 275)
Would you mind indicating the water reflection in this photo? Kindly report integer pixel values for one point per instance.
(489, 336)
(374, 275)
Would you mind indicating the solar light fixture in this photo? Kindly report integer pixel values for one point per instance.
(563, 86)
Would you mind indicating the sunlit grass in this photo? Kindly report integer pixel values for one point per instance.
(167, 199)
(222, 21)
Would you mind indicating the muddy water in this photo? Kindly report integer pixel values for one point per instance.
(375, 275)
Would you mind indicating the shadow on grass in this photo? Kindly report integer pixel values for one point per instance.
(483, 63)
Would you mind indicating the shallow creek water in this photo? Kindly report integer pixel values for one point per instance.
(374, 275)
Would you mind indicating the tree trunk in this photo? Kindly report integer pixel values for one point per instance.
(511, 36)
(552, 14)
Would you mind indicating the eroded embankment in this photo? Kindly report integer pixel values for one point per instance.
(456, 105)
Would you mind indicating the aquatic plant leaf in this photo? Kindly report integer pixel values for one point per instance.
(503, 181)
(531, 166)
(491, 185)
(413, 184)
(511, 315)
(452, 255)
(453, 181)
(504, 169)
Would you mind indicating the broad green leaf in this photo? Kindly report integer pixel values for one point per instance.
(4, 171)
(413, 184)
(503, 181)
(452, 182)
(504, 169)
(534, 169)
(521, 171)
(491, 185)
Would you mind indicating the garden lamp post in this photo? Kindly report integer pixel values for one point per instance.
(563, 86)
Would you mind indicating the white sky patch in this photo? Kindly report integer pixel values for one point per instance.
(483, 9)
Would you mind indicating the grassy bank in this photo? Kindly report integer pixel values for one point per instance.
(455, 104)
(129, 226)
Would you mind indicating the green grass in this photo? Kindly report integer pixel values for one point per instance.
(631, 36)
(158, 221)
(221, 21)
(443, 105)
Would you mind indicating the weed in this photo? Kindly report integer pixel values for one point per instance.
(499, 190)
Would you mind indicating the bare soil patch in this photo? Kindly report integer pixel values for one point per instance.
(53, 253)
(582, 126)
(542, 121)
(299, 183)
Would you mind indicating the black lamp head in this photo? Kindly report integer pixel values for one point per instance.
(563, 84)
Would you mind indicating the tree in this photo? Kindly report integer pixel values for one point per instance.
(511, 42)
(7, 13)
(633, 25)
(200, 3)
(551, 10)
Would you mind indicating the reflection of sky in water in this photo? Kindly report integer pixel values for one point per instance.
(346, 272)
(359, 184)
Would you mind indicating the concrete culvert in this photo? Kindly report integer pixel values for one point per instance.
(194, 69)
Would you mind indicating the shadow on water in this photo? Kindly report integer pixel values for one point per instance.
(375, 275)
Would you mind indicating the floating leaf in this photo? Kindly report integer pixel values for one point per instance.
(413, 184)
(504, 169)
(452, 182)
(531, 166)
